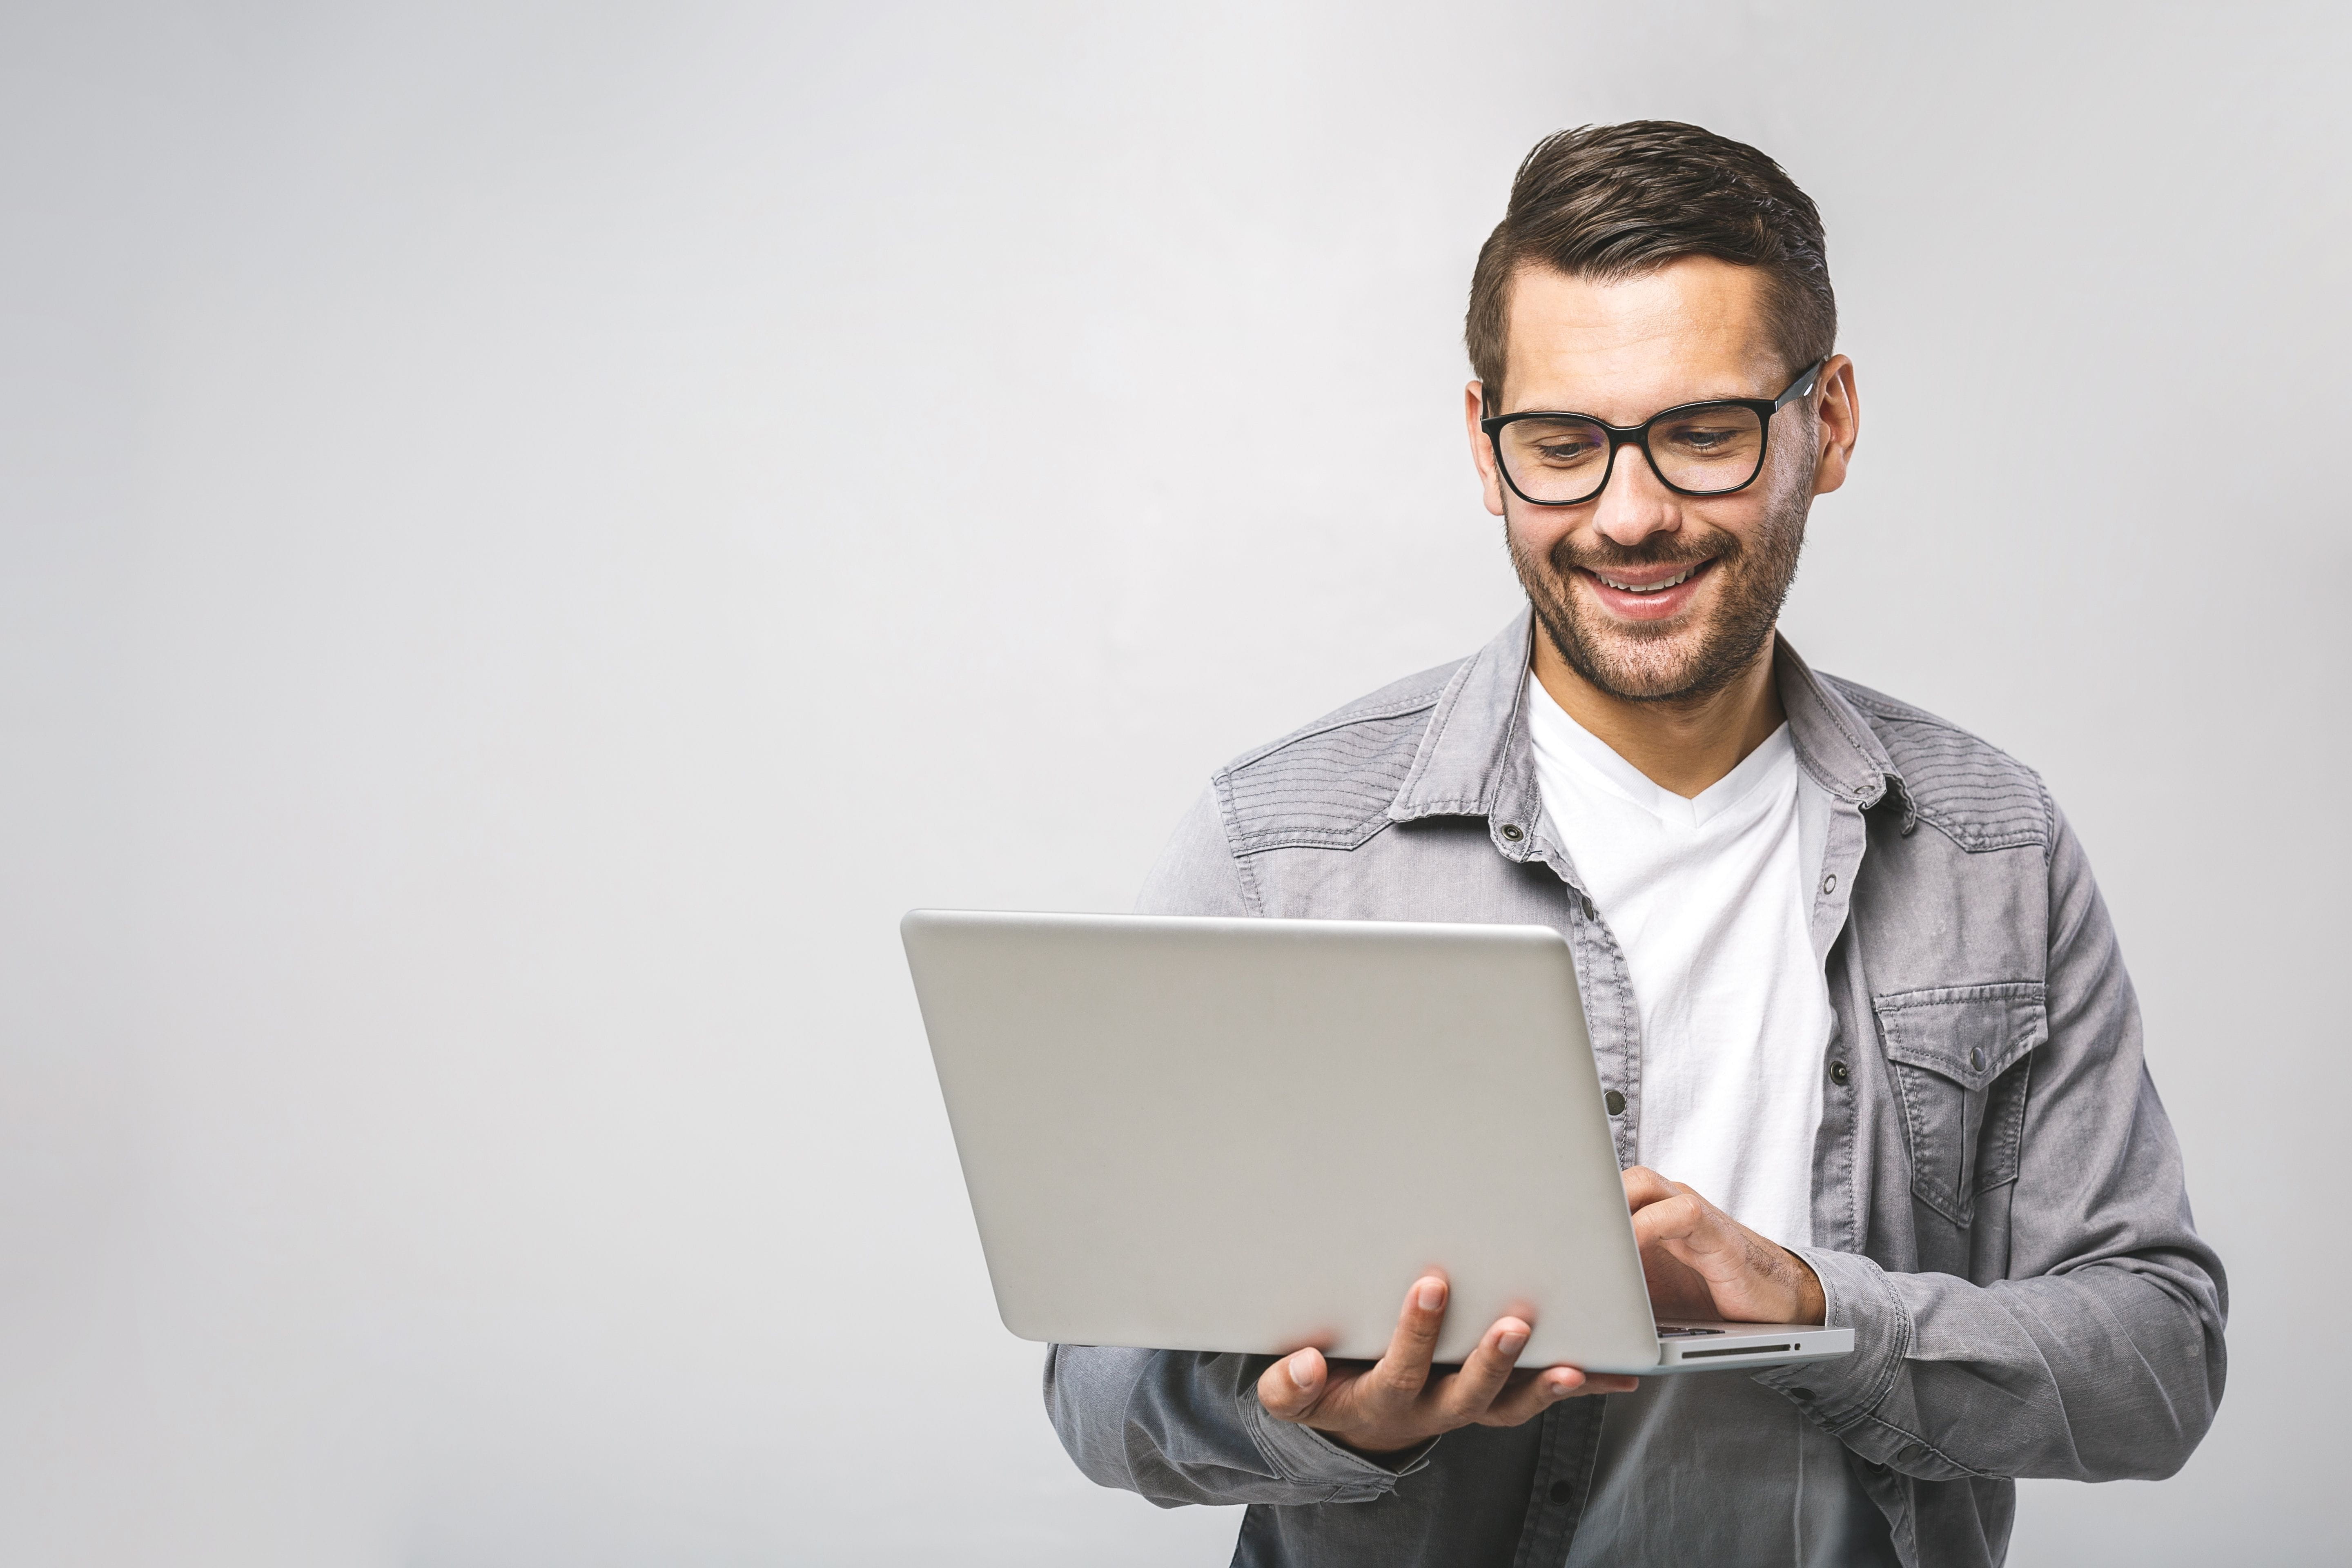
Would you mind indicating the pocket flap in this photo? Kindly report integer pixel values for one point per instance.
(1969, 1034)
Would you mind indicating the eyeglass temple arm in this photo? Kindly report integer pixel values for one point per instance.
(1801, 385)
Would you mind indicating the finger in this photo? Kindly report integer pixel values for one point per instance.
(1693, 1230)
(1530, 1394)
(1683, 1217)
(1465, 1395)
(1644, 1186)
(1403, 1370)
(1293, 1387)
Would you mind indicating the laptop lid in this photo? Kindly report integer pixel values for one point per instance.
(1254, 1134)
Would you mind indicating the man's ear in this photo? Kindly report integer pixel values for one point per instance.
(1482, 451)
(1841, 425)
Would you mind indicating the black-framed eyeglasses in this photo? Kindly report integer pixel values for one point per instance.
(1696, 448)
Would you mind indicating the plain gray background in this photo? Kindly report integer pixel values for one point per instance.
(532, 532)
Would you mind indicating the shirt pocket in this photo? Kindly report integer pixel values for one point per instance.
(1960, 1055)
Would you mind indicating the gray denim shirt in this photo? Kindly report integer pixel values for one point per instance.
(1999, 1209)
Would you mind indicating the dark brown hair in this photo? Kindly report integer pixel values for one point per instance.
(1610, 202)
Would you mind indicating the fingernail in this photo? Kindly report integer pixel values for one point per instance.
(1432, 1294)
(1302, 1370)
(1512, 1341)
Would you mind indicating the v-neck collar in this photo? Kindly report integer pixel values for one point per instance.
(1553, 734)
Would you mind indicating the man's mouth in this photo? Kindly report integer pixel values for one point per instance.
(1624, 588)
(1652, 594)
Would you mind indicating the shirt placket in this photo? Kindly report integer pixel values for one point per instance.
(1605, 982)
(1837, 1205)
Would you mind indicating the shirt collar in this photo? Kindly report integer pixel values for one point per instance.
(1565, 750)
(1474, 759)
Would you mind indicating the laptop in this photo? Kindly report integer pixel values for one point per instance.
(1253, 1135)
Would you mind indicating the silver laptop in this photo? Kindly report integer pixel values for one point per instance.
(1254, 1134)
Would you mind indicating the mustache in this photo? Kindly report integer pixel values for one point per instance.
(1571, 553)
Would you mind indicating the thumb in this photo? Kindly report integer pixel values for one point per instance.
(1291, 1386)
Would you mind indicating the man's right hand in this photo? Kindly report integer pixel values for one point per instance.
(1395, 1402)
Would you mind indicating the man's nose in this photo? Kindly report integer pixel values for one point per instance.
(1634, 505)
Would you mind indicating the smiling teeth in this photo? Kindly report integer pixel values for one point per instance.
(1653, 588)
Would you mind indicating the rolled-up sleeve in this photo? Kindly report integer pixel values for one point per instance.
(1180, 1426)
(2101, 1357)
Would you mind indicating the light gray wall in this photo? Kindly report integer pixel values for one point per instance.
(529, 534)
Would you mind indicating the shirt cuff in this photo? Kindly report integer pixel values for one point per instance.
(1841, 1390)
(1306, 1457)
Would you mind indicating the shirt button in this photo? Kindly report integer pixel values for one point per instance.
(1614, 1101)
(1561, 1492)
(1829, 883)
(1837, 1072)
(1977, 1058)
(1590, 912)
(1512, 831)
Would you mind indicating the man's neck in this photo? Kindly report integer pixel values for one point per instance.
(1680, 746)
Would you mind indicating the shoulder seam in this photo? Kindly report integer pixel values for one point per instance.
(1343, 719)
(1950, 809)
(1314, 787)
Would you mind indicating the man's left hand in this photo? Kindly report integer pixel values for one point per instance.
(1702, 1263)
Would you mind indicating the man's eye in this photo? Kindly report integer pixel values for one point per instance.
(1705, 440)
(1556, 453)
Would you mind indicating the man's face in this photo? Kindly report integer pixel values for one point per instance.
(1650, 595)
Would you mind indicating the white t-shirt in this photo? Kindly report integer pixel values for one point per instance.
(1708, 899)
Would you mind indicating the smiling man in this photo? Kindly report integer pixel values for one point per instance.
(1866, 1038)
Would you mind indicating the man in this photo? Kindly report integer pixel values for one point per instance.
(1868, 1041)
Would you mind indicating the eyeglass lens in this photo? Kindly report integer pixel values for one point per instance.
(1708, 449)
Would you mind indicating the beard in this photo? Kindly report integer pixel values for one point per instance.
(1683, 662)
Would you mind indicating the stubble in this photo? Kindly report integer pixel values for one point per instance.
(1668, 664)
